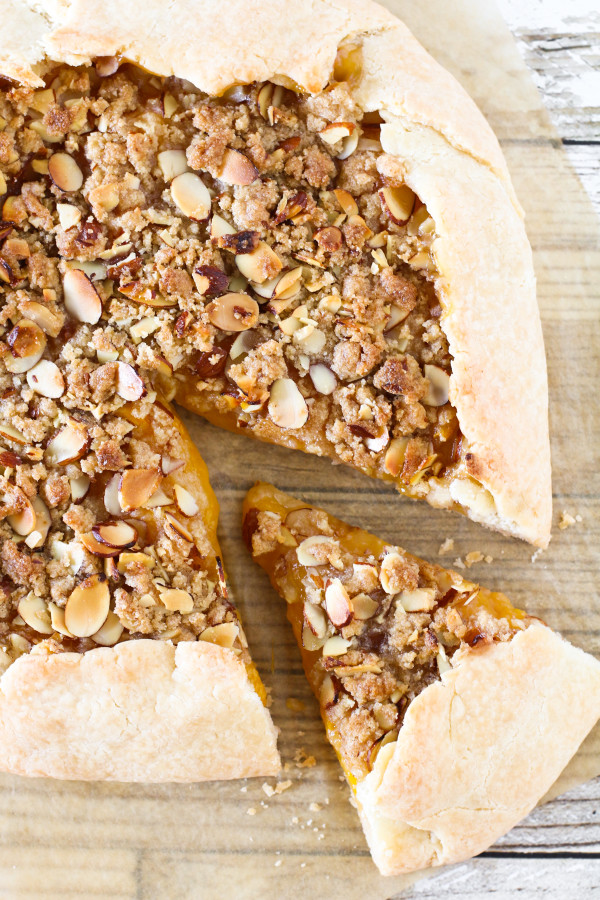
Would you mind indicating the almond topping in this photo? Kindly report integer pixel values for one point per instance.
(42, 316)
(303, 552)
(399, 202)
(81, 297)
(172, 163)
(96, 547)
(314, 618)
(394, 457)
(191, 195)
(136, 487)
(169, 465)
(261, 264)
(364, 606)
(134, 559)
(419, 600)
(177, 601)
(105, 197)
(220, 226)
(287, 406)
(335, 646)
(7, 431)
(23, 521)
(346, 201)
(338, 604)
(120, 535)
(69, 445)
(185, 501)
(129, 384)
(224, 634)
(237, 168)
(57, 617)
(349, 144)
(233, 312)
(336, 131)
(27, 343)
(109, 633)
(323, 378)
(88, 606)
(158, 498)
(111, 496)
(64, 172)
(35, 613)
(46, 379)
(68, 215)
(79, 487)
(174, 527)
(439, 386)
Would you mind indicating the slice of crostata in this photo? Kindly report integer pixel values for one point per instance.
(451, 711)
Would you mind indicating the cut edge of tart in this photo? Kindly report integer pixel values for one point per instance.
(434, 146)
(445, 704)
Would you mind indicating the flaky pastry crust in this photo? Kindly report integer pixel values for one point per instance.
(434, 137)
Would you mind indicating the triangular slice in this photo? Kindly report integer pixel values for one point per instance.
(122, 656)
(451, 711)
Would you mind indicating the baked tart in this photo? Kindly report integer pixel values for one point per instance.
(451, 711)
(307, 230)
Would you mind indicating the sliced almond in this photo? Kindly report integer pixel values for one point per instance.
(335, 646)
(243, 344)
(158, 498)
(57, 618)
(419, 600)
(43, 521)
(177, 600)
(42, 100)
(287, 406)
(439, 386)
(394, 457)
(81, 297)
(311, 641)
(191, 195)
(121, 535)
(105, 197)
(95, 269)
(185, 501)
(399, 202)
(23, 521)
(69, 445)
(220, 226)
(288, 285)
(346, 201)
(111, 496)
(323, 378)
(264, 99)
(175, 528)
(224, 634)
(338, 604)
(310, 339)
(42, 316)
(68, 215)
(170, 105)
(106, 65)
(172, 163)
(127, 559)
(64, 172)
(109, 633)
(328, 693)
(336, 131)
(27, 343)
(35, 613)
(364, 606)
(261, 264)
(129, 384)
(79, 487)
(315, 618)
(96, 547)
(169, 465)
(378, 443)
(349, 144)
(136, 486)
(233, 312)
(87, 606)
(237, 168)
(304, 554)
(46, 379)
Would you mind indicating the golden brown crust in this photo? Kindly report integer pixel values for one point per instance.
(478, 750)
(140, 711)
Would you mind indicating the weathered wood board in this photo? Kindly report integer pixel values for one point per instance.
(208, 841)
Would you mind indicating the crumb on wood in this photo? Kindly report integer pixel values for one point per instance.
(279, 788)
(295, 705)
(458, 563)
(446, 547)
(567, 520)
(303, 760)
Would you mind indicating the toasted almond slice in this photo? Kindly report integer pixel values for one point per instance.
(69, 445)
(170, 105)
(174, 527)
(136, 487)
(70, 555)
(352, 671)
(346, 201)
(394, 457)
(68, 215)
(64, 172)
(105, 197)
(338, 604)
(364, 606)
(397, 315)
(35, 613)
(220, 226)
(81, 297)
(419, 600)
(43, 521)
(169, 465)
(421, 260)
(315, 618)
(27, 343)
(23, 521)
(349, 144)
(310, 641)
(399, 202)
(259, 265)
(106, 65)
(57, 618)
(311, 339)
(7, 431)
(177, 600)
(158, 498)
(79, 487)
(323, 378)
(42, 100)
(328, 693)
(388, 565)
(185, 501)
(244, 343)
(46, 379)
(224, 634)
(111, 496)
(336, 131)
(95, 269)
(120, 535)
(237, 168)
(93, 545)
(109, 633)
(191, 195)
(127, 559)
(439, 386)
(335, 646)
(289, 284)
(233, 312)
(303, 552)
(87, 606)
(129, 384)
(375, 444)
(264, 99)
(42, 316)
(287, 406)
(172, 163)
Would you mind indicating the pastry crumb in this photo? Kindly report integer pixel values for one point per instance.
(315, 807)
(251, 811)
(567, 520)
(446, 547)
(279, 788)
(303, 760)
(458, 563)
(295, 705)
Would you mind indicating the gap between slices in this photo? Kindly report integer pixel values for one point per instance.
(379, 632)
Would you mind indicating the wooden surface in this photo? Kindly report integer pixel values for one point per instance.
(215, 841)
